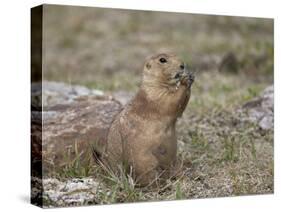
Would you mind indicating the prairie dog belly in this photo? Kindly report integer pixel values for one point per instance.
(158, 141)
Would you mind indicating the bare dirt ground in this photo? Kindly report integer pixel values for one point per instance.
(233, 57)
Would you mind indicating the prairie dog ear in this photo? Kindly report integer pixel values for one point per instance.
(148, 65)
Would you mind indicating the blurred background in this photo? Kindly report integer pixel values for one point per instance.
(106, 48)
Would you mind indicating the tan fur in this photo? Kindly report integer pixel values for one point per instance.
(142, 136)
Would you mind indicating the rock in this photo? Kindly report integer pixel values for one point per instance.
(75, 129)
(36, 190)
(75, 122)
(72, 192)
(52, 93)
(261, 109)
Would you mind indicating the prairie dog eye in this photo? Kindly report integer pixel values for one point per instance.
(162, 60)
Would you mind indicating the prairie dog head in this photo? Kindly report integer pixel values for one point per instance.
(164, 69)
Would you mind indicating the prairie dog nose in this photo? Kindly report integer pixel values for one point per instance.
(182, 66)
